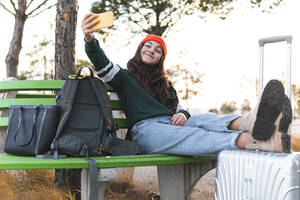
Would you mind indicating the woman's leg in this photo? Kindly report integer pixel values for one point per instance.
(213, 122)
(260, 122)
(157, 135)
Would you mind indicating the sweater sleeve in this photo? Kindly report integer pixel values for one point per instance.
(185, 112)
(104, 68)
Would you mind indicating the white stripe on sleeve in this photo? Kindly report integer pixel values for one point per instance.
(112, 72)
(104, 69)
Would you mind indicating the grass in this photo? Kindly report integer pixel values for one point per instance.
(31, 185)
(295, 143)
(39, 185)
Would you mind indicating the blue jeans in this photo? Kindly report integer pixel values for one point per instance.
(202, 134)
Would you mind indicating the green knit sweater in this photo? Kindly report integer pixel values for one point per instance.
(136, 103)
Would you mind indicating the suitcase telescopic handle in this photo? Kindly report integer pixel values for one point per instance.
(285, 38)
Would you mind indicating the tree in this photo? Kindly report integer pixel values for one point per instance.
(42, 60)
(296, 96)
(213, 110)
(65, 35)
(21, 10)
(81, 63)
(157, 17)
(41, 64)
(228, 107)
(191, 79)
(246, 106)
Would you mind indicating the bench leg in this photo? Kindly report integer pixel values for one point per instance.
(105, 175)
(5, 113)
(84, 184)
(177, 181)
(2, 139)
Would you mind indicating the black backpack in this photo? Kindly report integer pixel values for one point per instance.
(86, 127)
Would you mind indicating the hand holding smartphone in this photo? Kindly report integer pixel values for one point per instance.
(106, 19)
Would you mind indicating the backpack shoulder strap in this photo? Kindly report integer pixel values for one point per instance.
(66, 103)
(101, 93)
(93, 177)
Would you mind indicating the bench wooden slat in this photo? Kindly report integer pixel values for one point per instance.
(21, 95)
(119, 121)
(31, 85)
(4, 103)
(122, 123)
(3, 122)
(20, 162)
(34, 85)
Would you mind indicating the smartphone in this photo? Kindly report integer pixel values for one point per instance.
(106, 19)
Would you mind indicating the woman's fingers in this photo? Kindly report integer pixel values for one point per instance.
(88, 18)
(178, 119)
(88, 22)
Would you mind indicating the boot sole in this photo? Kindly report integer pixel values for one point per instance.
(285, 121)
(269, 109)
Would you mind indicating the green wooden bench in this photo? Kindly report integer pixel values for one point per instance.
(176, 174)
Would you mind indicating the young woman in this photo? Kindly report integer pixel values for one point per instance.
(150, 105)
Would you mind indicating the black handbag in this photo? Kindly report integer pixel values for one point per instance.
(31, 129)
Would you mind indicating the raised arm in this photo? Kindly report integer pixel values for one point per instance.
(92, 47)
(86, 24)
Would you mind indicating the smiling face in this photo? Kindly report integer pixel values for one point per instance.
(151, 52)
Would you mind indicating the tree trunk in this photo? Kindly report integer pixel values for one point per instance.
(12, 57)
(65, 34)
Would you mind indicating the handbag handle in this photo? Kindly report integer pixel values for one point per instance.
(81, 68)
(78, 74)
(24, 143)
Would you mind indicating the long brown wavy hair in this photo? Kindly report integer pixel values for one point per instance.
(152, 78)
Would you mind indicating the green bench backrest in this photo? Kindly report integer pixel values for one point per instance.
(36, 92)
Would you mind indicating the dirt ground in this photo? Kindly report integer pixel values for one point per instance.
(145, 178)
(144, 186)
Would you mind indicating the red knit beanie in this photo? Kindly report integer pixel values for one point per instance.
(157, 39)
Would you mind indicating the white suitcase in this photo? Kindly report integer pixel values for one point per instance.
(253, 175)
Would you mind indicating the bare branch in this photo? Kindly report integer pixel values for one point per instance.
(3, 6)
(180, 9)
(138, 11)
(29, 4)
(49, 7)
(137, 23)
(38, 7)
(14, 5)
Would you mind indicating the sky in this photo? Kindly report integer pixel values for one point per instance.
(226, 51)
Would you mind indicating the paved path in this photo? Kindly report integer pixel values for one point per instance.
(145, 178)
